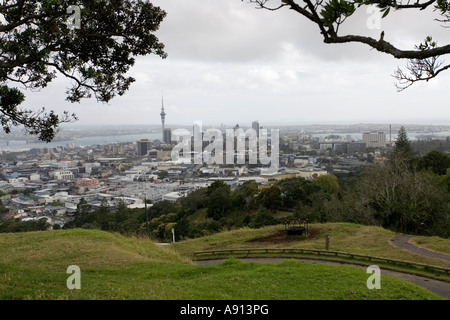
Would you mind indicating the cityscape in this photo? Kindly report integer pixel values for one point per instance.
(50, 181)
(225, 158)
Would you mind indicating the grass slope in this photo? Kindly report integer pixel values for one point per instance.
(33, 266)
(347, 237)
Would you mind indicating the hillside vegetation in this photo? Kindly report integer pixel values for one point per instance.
(33, 266)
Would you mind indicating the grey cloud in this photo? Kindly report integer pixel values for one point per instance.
(234, 31)
(230, 58)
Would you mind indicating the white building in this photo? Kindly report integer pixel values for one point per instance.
(62, 175)
(35, 177)
(374, 139)
(173, 196)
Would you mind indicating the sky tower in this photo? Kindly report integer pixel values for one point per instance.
(163, 117)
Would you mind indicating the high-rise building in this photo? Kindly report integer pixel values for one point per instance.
(143, 147)
(197, 134)
(167, 136)
(375, 139)
(255, 126)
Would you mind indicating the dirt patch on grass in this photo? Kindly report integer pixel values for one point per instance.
(281, 237)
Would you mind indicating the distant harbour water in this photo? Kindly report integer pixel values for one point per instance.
(411, 135)
(22, 145)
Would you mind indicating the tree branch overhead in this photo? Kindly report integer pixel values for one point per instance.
(37, 44)
(331, 14)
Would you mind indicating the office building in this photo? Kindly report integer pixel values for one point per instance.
(167, 136)
(143, 147)
(375, 139)
(255, 126)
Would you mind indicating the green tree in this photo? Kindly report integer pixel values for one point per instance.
(216, 185)
(292, 191)
(271, 198)
(181, 228)
(403, 153)
(219, 199)
(39, 41)
(328, 182)
(444, 180)
(194, 200)
(161, 226)
(16, 225)
(245, 196)
(262, 218)
(103, 216)
(161, 207)
(81, 216)
(121, 214)
(435, 161)
(402, 200)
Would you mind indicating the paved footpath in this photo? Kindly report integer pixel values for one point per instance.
(402, 241)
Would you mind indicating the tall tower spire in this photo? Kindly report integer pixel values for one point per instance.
(163, 115)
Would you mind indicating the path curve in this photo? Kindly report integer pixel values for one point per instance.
(402, 241)
(441, 288)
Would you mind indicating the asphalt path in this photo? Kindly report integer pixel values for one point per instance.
(441, 288)
(402, 241)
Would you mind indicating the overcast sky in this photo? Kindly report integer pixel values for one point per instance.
(231, 63)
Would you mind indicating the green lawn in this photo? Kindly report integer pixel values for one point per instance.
(33, 266)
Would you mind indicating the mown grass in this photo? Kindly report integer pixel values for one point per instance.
(433, 243)
(33, 266)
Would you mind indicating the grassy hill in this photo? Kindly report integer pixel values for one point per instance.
(347, 237)
(33, 266)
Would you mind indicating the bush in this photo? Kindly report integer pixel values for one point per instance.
(262, 218)
(398, 199)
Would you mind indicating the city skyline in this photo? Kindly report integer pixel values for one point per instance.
(238, 64)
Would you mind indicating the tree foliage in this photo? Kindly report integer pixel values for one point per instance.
(219, 199)
(329, 183)
(435, 161)
(271, 198)
(161, 207)
(292, 192)
(245, 196)
(17, 225)
(37, 44)
(402, 154)
(194, 200)
(262, 218)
